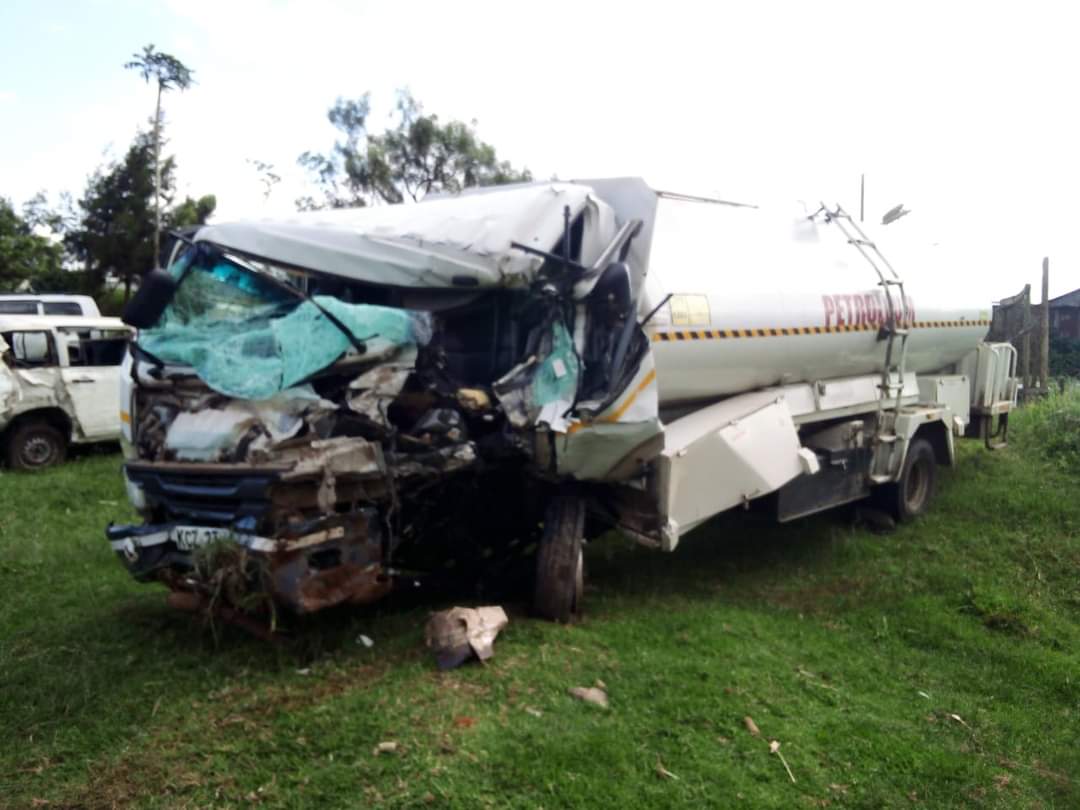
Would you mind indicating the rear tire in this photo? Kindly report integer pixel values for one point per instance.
(910, 496)
(560, 568)
(35, 445)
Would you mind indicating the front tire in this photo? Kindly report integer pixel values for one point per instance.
(560, 568)
(911, 495)
(35, 445)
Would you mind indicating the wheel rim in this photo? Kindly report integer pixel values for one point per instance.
(917, 485)
(37, 451)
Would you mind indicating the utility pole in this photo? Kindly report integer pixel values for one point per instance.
(1044, 328)
(862, 197)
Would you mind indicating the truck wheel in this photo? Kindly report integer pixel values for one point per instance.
(34, 445)
(911, 495)
(560, 567)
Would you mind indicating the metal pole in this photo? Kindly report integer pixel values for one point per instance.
(1044, 328)
(862, 197)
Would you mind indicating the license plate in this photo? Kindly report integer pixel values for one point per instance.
(188, 537)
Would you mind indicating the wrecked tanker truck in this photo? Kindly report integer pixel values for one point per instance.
(318, 407)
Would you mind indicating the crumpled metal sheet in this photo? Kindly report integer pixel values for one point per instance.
(371, 393)
(433, 244)
(204, 435)
(457, 634)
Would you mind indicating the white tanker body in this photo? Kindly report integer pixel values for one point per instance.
(760, 299)
(344, 392)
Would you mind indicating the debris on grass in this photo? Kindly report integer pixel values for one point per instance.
(663, 772)
(366, 641)
(590, 694)
(957, 718)
(457, 634)
(751, 726)
(774, 748)
(533, 712)
(388, 747)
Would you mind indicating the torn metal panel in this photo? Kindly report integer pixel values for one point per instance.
(621, 438)
(542, 388)
(372, 393)
(456, 240)
(214, 433)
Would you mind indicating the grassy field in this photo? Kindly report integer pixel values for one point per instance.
(938, 666)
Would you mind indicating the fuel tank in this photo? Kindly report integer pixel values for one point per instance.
(746, 298)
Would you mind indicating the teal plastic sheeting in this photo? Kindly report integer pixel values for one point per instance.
(557, 377)
(272, 347)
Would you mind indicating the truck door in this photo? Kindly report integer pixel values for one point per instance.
(92, 379)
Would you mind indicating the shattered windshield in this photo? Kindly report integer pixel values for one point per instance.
(215, 288)
(248, 336)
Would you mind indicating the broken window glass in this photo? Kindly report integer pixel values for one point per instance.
(248, 336)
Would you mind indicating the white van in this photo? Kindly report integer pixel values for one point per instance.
(59, 382)
(48, 304)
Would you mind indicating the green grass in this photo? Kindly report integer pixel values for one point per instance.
(938, 666)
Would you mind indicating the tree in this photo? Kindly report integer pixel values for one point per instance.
(169, 73)
(417, 156)
(192, 212)
(267, 176)
(117, 234)
(26, 256)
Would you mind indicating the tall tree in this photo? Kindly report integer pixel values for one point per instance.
(418, 155)
(169, 73)
(26, 256)
(116, 233)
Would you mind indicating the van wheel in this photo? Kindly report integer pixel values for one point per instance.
(560, 565)
(911, 495)
(35, 445)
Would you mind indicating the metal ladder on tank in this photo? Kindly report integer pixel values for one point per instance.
(894, 331)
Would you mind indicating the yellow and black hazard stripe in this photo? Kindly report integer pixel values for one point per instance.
(788, 331)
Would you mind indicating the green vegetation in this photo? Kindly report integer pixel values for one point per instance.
(1064, 357)
(938, 666)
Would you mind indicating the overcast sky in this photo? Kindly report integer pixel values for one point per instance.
(965, 112)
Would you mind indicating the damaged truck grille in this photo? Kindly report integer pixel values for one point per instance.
(220, 495)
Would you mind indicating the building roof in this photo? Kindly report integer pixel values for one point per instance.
(1071, 299)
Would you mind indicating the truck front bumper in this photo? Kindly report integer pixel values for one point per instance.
(310, 566)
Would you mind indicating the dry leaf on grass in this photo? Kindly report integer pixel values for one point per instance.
(590, 694)
(663, 772)
(385, 748)
(751, 726)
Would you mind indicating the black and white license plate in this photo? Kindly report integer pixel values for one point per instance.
(187, 538)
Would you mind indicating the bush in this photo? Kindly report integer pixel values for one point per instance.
(1064, 357)
(111, 302)
(1052, 426)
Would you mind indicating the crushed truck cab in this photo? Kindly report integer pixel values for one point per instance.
(322, 406)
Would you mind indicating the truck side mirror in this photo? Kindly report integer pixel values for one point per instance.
(154, 294)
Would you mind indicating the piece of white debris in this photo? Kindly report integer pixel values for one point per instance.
(457, 634)
(590, 694)
(774, 748)
(365, 640)
(385, 748)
